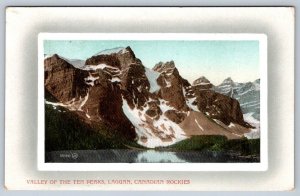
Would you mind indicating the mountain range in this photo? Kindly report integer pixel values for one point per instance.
(153, 107)
(248, 94)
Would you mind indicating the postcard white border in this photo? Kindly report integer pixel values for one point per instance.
(262, 166)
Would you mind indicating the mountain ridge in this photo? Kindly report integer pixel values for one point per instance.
(149, 106)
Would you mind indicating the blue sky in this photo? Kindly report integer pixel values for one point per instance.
(215, 60)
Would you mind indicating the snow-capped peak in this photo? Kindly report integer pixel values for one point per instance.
(112, 51)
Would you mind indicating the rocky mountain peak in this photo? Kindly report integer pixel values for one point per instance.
(171, 84)
(128, 49)
(55, 57)
(164, 67)
(228, 81)
(56, 62)
(201, 81)
(119, 57)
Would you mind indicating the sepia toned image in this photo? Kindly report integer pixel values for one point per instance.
(152, 101)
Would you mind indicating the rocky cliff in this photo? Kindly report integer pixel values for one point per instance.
(155, 107)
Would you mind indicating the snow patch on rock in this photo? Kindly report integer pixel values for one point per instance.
(199, 125)
(115, 79)
(153, 133)
(152, 78)
(90, 80)
(111, 51)
(99, 66)
(189, 103)
(73, 105)
(231, 125)
(255, 132)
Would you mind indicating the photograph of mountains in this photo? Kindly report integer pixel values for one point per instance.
(151, 101)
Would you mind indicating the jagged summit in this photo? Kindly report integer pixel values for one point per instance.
(228, 81)
(119, 57)
(201, 81)
(164, 67)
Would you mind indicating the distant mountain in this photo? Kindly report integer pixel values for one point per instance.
(154, 107)
(248, 94)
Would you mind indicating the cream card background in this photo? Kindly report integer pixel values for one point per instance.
(23, 26)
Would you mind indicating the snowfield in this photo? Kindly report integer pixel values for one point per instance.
(161, 132)
(254, 133)
(152, 78)
(111, 51)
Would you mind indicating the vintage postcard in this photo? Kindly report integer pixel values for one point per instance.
(181, 99)
(131, 101)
